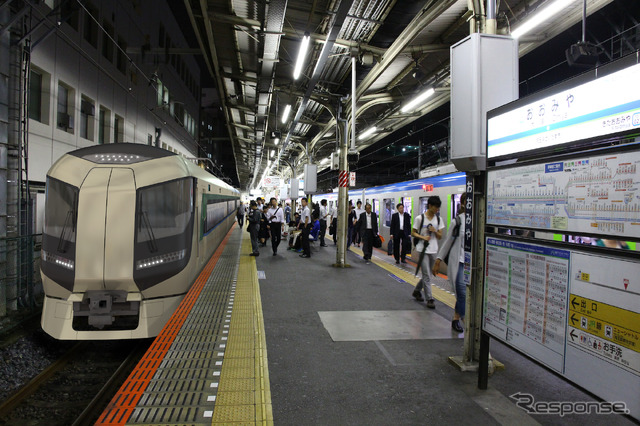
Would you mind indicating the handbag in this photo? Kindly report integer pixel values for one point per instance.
(377, 241)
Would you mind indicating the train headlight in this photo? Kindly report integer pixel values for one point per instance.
(58, 260)
(160, 260)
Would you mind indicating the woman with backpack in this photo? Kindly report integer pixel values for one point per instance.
(453, 254)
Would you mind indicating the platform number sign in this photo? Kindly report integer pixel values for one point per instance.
(468, 228)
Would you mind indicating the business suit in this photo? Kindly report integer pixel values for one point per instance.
(367, 233)
(401, 237)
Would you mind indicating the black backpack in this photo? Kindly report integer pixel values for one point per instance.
(416, 240)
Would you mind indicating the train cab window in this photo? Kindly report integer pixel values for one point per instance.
(164, 225)
(59, 236)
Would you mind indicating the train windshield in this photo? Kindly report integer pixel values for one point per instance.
(164, 228)
(59, 237)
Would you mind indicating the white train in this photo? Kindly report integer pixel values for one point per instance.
(127, 229)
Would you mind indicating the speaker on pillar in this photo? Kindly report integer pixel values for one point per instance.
(310, 178)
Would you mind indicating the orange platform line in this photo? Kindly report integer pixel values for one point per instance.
(126, 399)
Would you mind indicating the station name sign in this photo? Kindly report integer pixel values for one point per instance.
(605, 106)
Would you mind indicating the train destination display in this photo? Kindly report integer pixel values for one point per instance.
(525, 296)
(602, 107)
(590, 194)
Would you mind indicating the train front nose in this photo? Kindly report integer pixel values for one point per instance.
(104, 282)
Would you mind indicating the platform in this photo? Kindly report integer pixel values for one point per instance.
(308, 343)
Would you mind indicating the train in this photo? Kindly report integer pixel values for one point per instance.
(127, 229)
(444, 181)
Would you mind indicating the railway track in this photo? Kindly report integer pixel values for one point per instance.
(74, 389)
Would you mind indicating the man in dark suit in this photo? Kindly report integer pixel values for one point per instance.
(401, 233)
(368, 227)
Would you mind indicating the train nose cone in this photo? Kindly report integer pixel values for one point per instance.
(106, 223)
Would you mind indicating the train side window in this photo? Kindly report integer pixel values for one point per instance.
(376, 207)
(388, 209)
(455, 205)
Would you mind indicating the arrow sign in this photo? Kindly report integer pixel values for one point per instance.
(573, 336)
(573, 319)
(574, 303)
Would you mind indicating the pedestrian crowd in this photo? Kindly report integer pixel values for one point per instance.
(272, 221)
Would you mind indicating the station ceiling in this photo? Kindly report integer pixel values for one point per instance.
(402, 47)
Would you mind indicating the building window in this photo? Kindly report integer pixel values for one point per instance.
(118, 129)
(107, 42)
(69, 12)
(90, 25)
(121, 57)
(159, 92)
(35, 96)
(161, 36)
(104, 123)
(87, 118)
(65, 108)
(150, 140)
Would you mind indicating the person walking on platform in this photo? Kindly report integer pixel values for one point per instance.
(452, 247)
(351, 222)
(368, 228)
(428, 229)
(305, 227)
(254, 226)
(287, 212)
(356, 231)
(240, 214)
(324, 213)
(334, 223)
(263, 234)
(401, 231)
(275, 216)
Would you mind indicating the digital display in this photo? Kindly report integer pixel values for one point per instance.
(605, 106)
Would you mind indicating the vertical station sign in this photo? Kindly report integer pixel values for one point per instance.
(468, 230)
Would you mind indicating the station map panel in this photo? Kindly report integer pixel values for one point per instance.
(590, 194)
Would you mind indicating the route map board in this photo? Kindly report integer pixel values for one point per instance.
(590, 194)
(525, 298)
(603, 328)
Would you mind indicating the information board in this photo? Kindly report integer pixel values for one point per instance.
(601, 107)
(590, 194)
(603, 327)
(525, 298)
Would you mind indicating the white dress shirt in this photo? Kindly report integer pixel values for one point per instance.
(368, 215)
(275, 215)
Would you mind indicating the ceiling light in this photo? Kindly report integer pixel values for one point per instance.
(285, 113)
(276, 140)
(272, 153)
(367, 132)
(416, 102)
(302, 53)
(539, 17)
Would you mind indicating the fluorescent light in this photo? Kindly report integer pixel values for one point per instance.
(302, 53)
(367, 132)
(285, 113)
(276, 140)
(418, 100)
(272, 153)
(539, 17)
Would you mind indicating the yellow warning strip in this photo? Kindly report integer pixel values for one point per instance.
(244, 393)
(438, 293)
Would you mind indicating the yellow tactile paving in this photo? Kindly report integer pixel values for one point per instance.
(244, 395)
(438, 293)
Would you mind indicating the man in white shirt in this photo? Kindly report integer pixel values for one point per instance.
(428, 229)
(305, 226)
(324, 214)
(275, 218)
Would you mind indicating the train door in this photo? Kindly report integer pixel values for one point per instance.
(407, 202)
